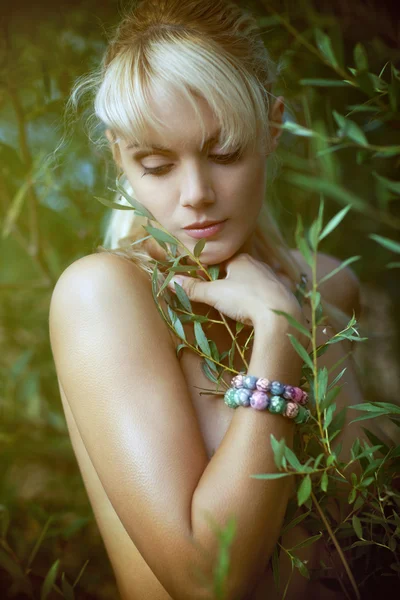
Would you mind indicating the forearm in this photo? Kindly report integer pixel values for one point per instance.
(226, 488)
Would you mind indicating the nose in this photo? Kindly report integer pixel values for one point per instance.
(196, 186)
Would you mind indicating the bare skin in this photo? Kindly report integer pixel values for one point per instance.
(134, 577)
(154, 453)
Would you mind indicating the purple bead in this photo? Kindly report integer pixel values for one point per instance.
(243, 397)
(263, 385)
(297, 395)
(291, 410)
(277, 388)
(289, 392)
(237, 381)
(259, 400)
(304, 399)
(249, 382)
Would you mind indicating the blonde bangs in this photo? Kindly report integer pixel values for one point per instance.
(184, 68)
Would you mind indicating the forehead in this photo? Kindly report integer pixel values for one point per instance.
(179, 126)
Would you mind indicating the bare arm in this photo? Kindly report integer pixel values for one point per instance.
(125, 387)
(226, 487)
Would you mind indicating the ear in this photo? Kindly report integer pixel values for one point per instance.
(276, 116)
(114, 147)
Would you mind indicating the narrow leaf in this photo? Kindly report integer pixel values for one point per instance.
(386, 242)
(304, 491)
(201, 338)
(334, 222)
(301, 351)
(357, 526)
(293, 322)
(343, 265)
(49, 581)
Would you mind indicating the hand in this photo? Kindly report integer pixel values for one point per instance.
(247, 294)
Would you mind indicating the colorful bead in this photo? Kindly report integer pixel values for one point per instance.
(297, 395)
(302, 416)
(263, 385)
(230, 398)
(249, 382)
(277, 388)
(237, 381)
(291, 410)
(242, 397)
(277, 405)
(289, 392)
(304, 399)
(259, 400)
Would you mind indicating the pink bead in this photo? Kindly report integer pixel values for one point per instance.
(237, 381)
(263, 385)
(291, 410)
(289, 392)
(304, 399)
(297, 395)
(259, 400)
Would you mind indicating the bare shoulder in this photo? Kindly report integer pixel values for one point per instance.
(342, 289)
(129, 399)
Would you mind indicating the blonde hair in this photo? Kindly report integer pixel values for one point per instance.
(206, 48)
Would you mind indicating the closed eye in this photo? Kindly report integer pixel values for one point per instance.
(218, 158)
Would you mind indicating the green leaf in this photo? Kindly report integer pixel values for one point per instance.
(141, 210)
(214, 272)
(297, 129)
(201, 339)
(278, 449)
(325, 45)
(360, 58)
(334, 222)
(357, 526)
(390, 184)
(293, 322)
(328, 415)
(67, 589)
(324, 481)
(307, 542)
(322, 380)
(275, 568)
(350, 129)
(325, 82)
(301, 351)
(176, 323)
(304, 491)
(295, 522)
(342, 266)
(332, 190)
(182, 297)
(293, 460)
(386, 242)
(199, 247)
(49, 581)
(299, 564)
(352, 496)
(113, 205)
(272, 475)
(160, 236)
(393, 265)
(208, 373)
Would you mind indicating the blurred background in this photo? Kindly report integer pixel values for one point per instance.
(340, 78)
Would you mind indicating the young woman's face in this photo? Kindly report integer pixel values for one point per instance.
(184, 183)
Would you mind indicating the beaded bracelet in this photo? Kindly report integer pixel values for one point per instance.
(263, 394)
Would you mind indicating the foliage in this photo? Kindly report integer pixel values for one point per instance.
(340, 141)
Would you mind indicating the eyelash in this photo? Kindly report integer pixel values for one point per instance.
(221, 158)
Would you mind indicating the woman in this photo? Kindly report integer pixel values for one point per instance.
(185, 94)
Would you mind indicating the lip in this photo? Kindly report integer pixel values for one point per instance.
(204, 232)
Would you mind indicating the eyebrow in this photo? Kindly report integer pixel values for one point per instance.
(211, 139)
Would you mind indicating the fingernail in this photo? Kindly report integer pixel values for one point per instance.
(178, 279)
